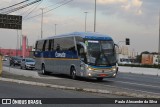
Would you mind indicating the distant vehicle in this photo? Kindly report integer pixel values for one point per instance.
(125, 61)
(5, 58)
(28, 63)
(83, 54)
(16, 60)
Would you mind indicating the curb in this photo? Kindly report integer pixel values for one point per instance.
(127, 94)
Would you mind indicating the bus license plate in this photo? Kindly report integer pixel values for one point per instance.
(102, 75)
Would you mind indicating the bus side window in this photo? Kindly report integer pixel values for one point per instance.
(58, 48)
(39, 45)
(44, 44)
(36, 46)
(47, 45)
(50, 45)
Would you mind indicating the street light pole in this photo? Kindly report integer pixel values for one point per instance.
(95, 16)
(42, 24)
(159, 42)
(17, 47)
(55, 29)
(85, 21)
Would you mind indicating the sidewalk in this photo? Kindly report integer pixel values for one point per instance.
(143, 71)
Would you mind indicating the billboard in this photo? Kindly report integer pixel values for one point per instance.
(10, 21)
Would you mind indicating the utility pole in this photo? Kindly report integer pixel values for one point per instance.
(55, 29)
(42, 24)
(95, 16)
(85, 21)
(17, 47)
(159, 43)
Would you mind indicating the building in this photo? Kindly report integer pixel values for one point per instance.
(14, 52)
(150, 59)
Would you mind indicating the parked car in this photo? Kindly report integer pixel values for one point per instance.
(28, 63)
(5, 58)
(16, 60)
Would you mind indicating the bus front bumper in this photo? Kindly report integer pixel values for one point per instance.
(103, 73)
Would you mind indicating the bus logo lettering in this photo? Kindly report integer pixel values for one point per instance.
(60, 55)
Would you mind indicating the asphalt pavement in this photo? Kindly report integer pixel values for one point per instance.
(15, 90)
(127, 84)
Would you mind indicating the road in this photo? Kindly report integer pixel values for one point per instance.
(134, 82)
(15, 90)
(143, 83)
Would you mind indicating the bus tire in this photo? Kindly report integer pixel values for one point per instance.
(43, 69)
(99, 78)
(73, 73)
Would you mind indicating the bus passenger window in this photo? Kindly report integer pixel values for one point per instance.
(58, 47)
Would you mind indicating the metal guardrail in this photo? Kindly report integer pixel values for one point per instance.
(0, 64)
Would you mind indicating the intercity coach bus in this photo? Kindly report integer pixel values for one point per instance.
(83, 54)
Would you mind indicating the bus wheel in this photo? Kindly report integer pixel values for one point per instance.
(43, 70)
(99, 78)
(73, 73)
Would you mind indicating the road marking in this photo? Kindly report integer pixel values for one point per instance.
(154, 81)
(126, 88)
(137, 84)
(155, 77)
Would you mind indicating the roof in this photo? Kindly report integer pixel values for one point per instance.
(86, 35)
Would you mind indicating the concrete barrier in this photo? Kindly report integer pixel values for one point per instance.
(0, 65)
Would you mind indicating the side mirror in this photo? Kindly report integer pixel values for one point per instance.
(116, 45)
(84, 49)
(116, 48)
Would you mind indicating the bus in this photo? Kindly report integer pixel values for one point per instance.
(78, 54)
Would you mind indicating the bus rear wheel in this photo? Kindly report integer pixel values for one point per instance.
(99, 78)
(73, 73)
(43, 70)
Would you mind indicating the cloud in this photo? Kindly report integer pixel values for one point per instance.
(137, 3)
(133, 6)
(111, 1)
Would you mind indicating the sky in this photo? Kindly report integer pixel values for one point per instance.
(120, 19)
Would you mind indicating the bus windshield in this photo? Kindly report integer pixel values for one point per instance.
(101, 53)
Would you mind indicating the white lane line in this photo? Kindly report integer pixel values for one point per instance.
(153, 77)
(132, 83)
(154, 81)
(116, 87)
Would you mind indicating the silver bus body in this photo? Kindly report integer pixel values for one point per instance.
(77, 54)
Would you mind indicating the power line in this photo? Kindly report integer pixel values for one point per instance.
(32, 10)
(50, 10)
(55, 4)
(44, 7)
(21, 7)
(14, 4)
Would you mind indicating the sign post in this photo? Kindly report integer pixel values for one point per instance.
(0, 64)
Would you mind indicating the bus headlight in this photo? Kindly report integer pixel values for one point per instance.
(114, 69)
(89, 74)
(89, 68)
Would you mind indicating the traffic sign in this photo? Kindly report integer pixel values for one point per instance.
(10, 21)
